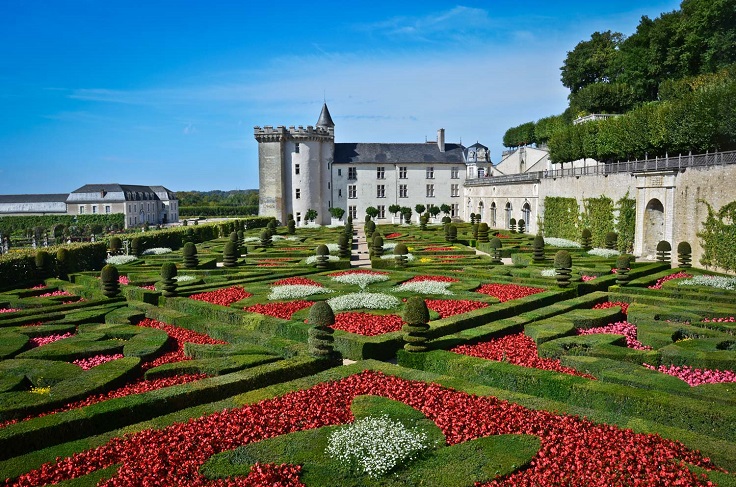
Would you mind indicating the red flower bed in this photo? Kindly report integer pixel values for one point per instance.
(573, 451)
(224, 297)
(41, 341)
(180, 336)
(432, 278)
(517, 349)
(295, 281)
(662, 280)
(367, 324)
(628, 330)
(507, 292)
(275, 260)
(451, 307)
(357, 271)
(439, 249)
(89, 362)
(612, 304)
(392, 235)
(280, 310)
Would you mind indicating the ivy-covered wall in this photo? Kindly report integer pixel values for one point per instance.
(626, 223)
(598, 217)
(561, 218)
(718, 237)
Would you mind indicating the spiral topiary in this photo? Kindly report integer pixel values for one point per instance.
(320, 340)
(664, 250)
(369, 228)
(271, 225)
(377, 245)
(512, 225)
(521, 226)
(135, 246)
(241, 238)
(266, 238)
(109, 281)
(563, 268)
(116, 245)
(475, 230)
(496, 250)
(423, 222)
(451, 235)
(168, 279)
(63, 264)
(43, 262)
(611, 240)
(230, 254)
(586, 239)
(322, 253)
(416, 317)
(400, 252)
(538, 247)
(623, 266)
(483, 232)
(189, 251)
(342, 243)
(291, 227)
(684, 255)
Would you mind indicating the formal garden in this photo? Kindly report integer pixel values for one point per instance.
(245, 353)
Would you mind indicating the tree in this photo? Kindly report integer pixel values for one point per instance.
(394, 209)
(406, 213)
(337, 213)
(420, 208)
(434, 211)
(371, 211)
(593, 61)
(519, 135)
(311, 215)
(445, 208)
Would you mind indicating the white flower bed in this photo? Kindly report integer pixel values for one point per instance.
(251, 239)
(603, 252)
(376, 445)
(409, 257)
(426, 287)
(361, 280)
(313, 259)
(561, 242)
(312, 225)
(548, 273)
(333, 247)
(719, 282)
(276, 237)
(363, 300)
(185, 278)
(389, 246)
(157, 251)
(335, 225)
(120, 259)
(296, 291)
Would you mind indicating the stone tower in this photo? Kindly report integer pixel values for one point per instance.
(294, 168)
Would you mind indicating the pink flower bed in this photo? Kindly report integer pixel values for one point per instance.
(587, 278)
(628, 330)
(54, 293)
(296, 281)
(517, 349)
(662, 280)
(507, 292)
(367, 324)
(150, 287)
(40, 341)
(612, 304)
(88, 363)
(432, 278)
(223, 297)
(573, 451)
(695, 377)
(730, 319)
(123, 280)
(8, 310)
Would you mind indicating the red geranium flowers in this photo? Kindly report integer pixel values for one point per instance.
(451, 307)
(224, 297)
(367, 324)
(280, 310)
(507, 292)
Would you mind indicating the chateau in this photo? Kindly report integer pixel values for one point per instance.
(304, 168)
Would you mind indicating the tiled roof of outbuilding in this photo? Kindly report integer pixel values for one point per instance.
(390, 153)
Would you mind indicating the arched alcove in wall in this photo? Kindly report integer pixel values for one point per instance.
(526, 211)
(481, 210)
(493, 215)
(653, 226)
(508, 214)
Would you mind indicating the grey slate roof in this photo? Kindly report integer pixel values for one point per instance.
(112, 187)
(397, 153)
(33, 198)
(325, 120)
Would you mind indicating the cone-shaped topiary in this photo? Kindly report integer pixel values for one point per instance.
(563, 268)
(63, 264)
(109, 281)
(451, 235)
(538, 247)
(496, 250)
(189, 251)
(271, 225)
(266, 238)
(400, 257)
(322, 253)
(241, 238)
(342, 243)
(512, 225)
(611, 240)
(43, 262)
(320, 340)
(475, 230)
(230, 254)
(684, 255)
(521, 226)
(291, 227)
(423, 222)
(116, 245)
(377, 245)
(168, 279)
(623, 266)
(483, 232)
(135, 246)
(664, 250)
(416, 317)
(586, 239)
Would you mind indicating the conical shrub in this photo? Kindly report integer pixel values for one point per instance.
(586, 239)
(189, 252)
(416, 317)
(623, 266)
(563, 268)
(320, 341)
(109, 277)
(538, 248)
(230, 254)
(168, 279)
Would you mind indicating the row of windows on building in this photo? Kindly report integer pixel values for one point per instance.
(381, 191)
(381, 172)
(353, 211)
(94, 209)
(525, 210)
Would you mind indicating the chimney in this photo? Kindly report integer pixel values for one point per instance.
(441, 139)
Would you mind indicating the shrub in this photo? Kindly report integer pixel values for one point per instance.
(43, 262)
(623, 266)
(400, 252)
(135, 246)
(521, 226)
(538, 247)
(451, 236)
(512, 225)
(586, 239)
(611, 240)
(116, 245)
(496, 248)
(416, 316)
(266, 238)
(446, 219)
(663, 251)
(168, 278)
(109, 280)
(320, 340)
(63, 263)
(189, 251)
(684, 255)
(342, 243)
(323, 253)
(483, 232)
(291, 227)
(377, 245)
(563, 267)
(230, 254)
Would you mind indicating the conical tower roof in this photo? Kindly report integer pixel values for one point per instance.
(325, 120)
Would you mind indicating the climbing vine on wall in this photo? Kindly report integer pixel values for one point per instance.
(561, 218)
(598, 217)
(626, 223)
(718, 237)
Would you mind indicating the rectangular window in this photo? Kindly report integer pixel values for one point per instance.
(381, 212)
(352, 192)
(296, 168)
(402, 191)
(430, 172)
(430, 191)
(107, 209)
(81, 209)
(94, 208)
(454, 190)
(339, 172)
(455, 172)
(353, 212)
(339, 193)
(402, 172)
(481, 173)
(296, 149)
(352, 173)
(380, 172)
(380, 191)
(455, 210)
(298, 193)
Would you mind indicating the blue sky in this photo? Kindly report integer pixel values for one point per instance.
(168, 91)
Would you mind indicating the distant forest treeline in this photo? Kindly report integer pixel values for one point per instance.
(236, 202)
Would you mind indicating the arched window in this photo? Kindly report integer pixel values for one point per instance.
(508, 215)
(493, 215)
(526, 211)
(480, 210)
